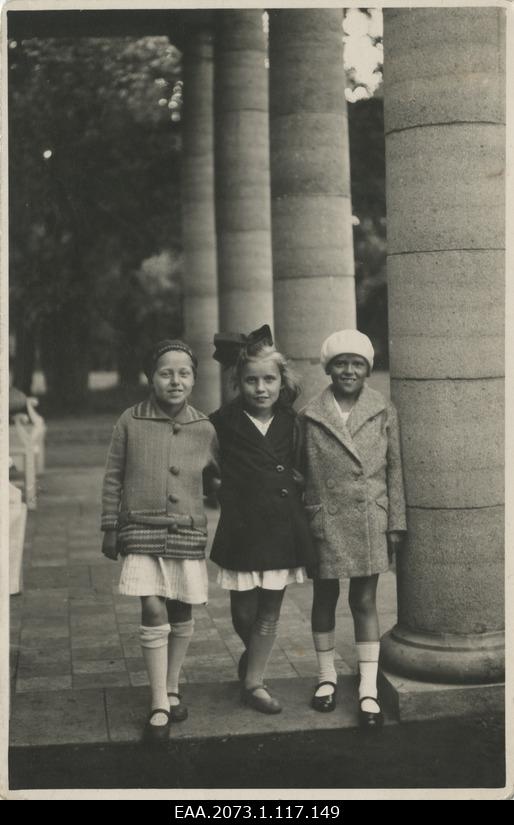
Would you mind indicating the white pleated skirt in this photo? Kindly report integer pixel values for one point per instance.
(268, 579)
(185, 580)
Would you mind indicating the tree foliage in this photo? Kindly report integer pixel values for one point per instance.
(94, 173)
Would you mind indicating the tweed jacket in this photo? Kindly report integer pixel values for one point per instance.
(262, 524)
(153, 483)
(354, 489)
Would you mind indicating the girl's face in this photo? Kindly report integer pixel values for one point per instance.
(260, 386)
(348, 373)
(173, 379)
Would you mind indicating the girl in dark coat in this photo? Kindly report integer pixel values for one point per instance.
(263, 541)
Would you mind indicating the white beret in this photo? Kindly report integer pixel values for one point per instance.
(346, 341)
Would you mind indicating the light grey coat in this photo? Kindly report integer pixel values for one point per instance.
(354, 484)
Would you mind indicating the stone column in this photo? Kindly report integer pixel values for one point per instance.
(313, 267)
(445, 159)
(242, 172)
(199, 230)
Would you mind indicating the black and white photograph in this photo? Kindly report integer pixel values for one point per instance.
(253, 316)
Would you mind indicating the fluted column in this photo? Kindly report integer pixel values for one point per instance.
(199, 230)
(445, 160)
(313, 267)
(242, 172)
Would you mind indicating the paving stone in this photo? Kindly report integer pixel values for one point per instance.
(88, 639)
(58, 717)
(99, 651)
(210, 674)
(28, 671)
(134, 664)
(130, 651)
(43, 683)
(106, 679)
(29, 644)
(138, 678)
(101, 623)
(99, 666)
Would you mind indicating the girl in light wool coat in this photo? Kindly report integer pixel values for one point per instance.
(152, 514)
(355, 502)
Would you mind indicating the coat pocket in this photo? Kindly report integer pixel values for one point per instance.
(316, 519)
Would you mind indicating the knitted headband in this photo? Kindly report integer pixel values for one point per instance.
(162, 347)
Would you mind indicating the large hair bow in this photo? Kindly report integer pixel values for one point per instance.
(228, 345)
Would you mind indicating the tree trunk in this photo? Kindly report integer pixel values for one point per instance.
(129, 365)
(25, 353)
(65, 339)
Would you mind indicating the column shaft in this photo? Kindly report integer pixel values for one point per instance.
(313, 266)
(199, 229)
(445, 138)
(243, 219)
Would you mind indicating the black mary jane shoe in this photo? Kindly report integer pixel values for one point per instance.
(157, 734)
(178, 713)
(242, 666)
(370, 720)
(324, 704)
(264, 704)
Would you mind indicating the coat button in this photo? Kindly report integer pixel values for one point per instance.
(331, 483)
(173, 527)
(173, 497)
(174, 470)
(176, 428)
(332, 509)
(280, 468)
(284, 492)
(361, 508)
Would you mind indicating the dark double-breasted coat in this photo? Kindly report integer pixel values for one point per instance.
(262, 523)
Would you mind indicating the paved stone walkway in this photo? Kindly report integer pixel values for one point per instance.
(72, 632)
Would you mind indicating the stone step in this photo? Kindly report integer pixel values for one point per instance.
(117, 715)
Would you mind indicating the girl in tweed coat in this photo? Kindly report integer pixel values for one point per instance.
(152, 513)
(355, 502)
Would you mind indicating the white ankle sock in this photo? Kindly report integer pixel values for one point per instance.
(325, 652)
(367, 654)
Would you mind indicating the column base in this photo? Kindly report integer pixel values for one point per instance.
(446, 657)
(411, 701)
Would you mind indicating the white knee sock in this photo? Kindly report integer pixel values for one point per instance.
(367, 654)
(325, 652)
(178, 643)
(154, 643)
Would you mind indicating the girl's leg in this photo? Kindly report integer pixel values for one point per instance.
(243, 608)
(362, 600)
(261, 644)
(154, 632)
(181, 621)
(323, 619)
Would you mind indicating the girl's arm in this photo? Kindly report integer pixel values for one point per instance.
(395, 489)
(113, 477)
(212, 472)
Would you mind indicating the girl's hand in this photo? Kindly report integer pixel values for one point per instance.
(395, 541)
(109, 543)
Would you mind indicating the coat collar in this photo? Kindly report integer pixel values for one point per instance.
(149, 409)
(234, 418)
(323, 410)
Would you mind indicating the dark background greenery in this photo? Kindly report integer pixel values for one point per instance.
(95, 240)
